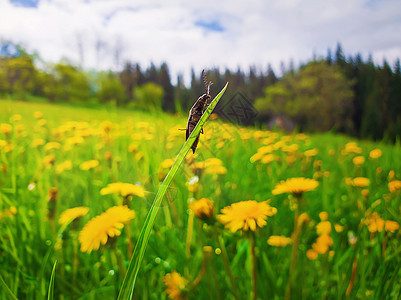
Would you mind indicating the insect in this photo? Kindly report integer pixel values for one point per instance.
(197, 111)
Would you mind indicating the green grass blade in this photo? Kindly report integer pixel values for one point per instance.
(127, 287)
(41, 276)
(3, 286)
(51, 284)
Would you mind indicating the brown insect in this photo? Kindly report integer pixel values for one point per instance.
(197, 111)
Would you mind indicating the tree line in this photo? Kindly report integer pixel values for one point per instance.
(338, 93)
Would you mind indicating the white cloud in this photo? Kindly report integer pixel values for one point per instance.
(255, 32)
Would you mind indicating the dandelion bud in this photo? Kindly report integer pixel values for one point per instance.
(51, 205)
(203, 209)
(108, 155)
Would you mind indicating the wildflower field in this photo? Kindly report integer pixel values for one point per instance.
(253, 214)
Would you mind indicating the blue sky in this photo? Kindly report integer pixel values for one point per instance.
(102, 34)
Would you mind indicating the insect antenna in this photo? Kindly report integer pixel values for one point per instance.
(207, 84)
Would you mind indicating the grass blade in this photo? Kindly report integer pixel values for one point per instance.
(51, 284)
(127, 287)
(41, 276)
(3, 286)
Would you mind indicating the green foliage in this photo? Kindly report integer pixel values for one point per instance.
(148, 97)
(110, 89)
(50, 292)
(19, 74)
(3, 81)
(317, 97)
(67, 83)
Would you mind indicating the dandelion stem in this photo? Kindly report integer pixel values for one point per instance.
(353, 274)
(190, 228)
(226, 264)
(295, 244)
(202, 271)
(384, 246)
(254, 271)
(127, 202)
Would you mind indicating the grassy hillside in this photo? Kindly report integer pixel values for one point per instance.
(346, 239)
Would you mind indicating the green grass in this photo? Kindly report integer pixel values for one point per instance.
(30, 241)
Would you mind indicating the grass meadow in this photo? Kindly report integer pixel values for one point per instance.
(335, 236)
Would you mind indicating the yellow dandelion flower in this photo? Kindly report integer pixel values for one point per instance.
(13, 210)
(323, 227)
(391, 175)
(6, 128)
(167, 163)
(265, 149)
(138, 156)
(106, 126)
(245, 135)
(42, 122)
(311, 153)
(71, 214)
(291, 159)
(213, 162)
(75, 140)
(286, 138)
(311, 254)
(65, 165)
(37, 142)
(358, 181)
(220, 144)
(338, 227)
(358, 160)
(246, 215)
(374, 222)
(176, 286)
(100, 228)
(38, 115)
(132, 147)
(124, 189)
(352, 147)
(365, 193)
(219, 170)
(394, 186)
(279, 241)
(301, 136)
(52, 146)
(17, 117)
(323, 216)
(257, 156)
(291, 148)
(49, 160)
(202, 208)
(376, 153)
(3, 143)
(267, 159)
(296, 185)
(323, 244)
(90, 164)
(317, 164)
(391, 226)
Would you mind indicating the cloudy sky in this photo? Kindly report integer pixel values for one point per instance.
(102, 34)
